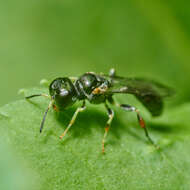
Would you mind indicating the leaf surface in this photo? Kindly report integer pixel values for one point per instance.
(76, 162)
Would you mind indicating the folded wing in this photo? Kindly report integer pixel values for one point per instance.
(149, 93)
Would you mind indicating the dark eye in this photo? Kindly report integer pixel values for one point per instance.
(55, 87)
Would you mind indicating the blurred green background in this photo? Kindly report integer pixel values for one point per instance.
(49, 38)
(53, 38)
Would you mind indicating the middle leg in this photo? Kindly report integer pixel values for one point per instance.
(107, 127)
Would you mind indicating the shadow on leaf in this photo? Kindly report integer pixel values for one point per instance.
(165, 128)
(91, 119)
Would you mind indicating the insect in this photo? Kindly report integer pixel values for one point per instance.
(100, 88)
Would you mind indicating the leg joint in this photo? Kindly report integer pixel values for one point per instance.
(128, 107)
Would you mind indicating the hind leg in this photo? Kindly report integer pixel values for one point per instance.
(140, 120)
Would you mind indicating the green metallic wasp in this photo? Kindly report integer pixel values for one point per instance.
(100, 88)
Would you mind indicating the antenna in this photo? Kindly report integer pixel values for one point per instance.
(45, 114)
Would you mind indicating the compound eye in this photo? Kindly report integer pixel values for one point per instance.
(55, 87)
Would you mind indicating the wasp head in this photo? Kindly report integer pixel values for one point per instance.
(63, 92)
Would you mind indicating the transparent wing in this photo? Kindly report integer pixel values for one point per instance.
(149, 93)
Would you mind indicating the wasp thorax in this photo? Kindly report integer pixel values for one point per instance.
(63, 92)
(88, 82)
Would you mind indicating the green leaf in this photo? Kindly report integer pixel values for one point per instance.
(76, 162)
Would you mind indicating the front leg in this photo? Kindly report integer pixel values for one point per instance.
(107, 127)
(82, 108)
